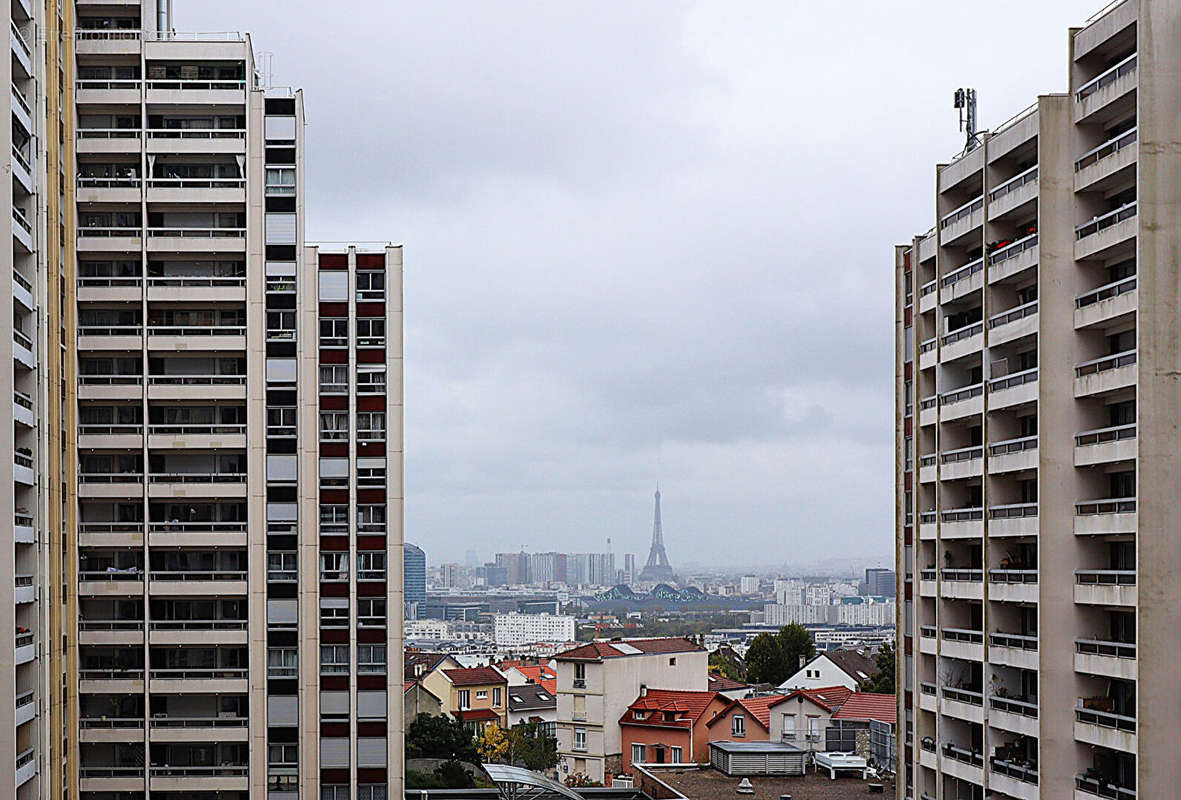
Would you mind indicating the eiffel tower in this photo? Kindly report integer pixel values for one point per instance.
(657, 570)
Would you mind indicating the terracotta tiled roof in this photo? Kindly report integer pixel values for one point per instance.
(537, 674)
(687, 705)
(597, 651)
(759, 708)
(720, 683)
(478, 714)
(867, 705)
(474, 676)
(829, 697)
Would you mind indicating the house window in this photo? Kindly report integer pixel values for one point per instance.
(464, 698)
(580, 676)
(482, 694)
(738, 725)
(672, 662)
(580, 740)
(676, 755)
(638, 752)
(497, 698)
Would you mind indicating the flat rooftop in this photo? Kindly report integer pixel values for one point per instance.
(708, 784)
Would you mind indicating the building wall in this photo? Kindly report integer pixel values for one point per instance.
(824, 673)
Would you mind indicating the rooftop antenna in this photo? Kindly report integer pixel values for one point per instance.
(965, 102)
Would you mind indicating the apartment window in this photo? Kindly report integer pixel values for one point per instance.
(335, 658)
(738, 725)
(334, 287)
(580, 740)
(371, 612)
(334, 473)
(371, 704)
(464, 698)
(371, 519)
(334, 519)
(373, 791)
(370, 285)
(371, 658)
(280, 181)
(334, 704)
(639, 751)
(282, 469)
(282, 662)
(580, 676)
(370, 332)
(371, 565)
(371, 473)
(497, 697)
(676, 755)
(334, 332)
(282, 613)
(281, 421)
(334, 612)
(281, 567)
(370, 379)
(334, 791)
(371, 426)
(334, 426)
(334, 567)
(280, 325)
(334, 379)
(282, 755)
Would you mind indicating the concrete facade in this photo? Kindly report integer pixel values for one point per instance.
(1038, 395)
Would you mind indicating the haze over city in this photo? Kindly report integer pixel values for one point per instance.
(645, 242)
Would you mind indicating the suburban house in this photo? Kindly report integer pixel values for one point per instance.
(728, 686)
(479, 694)
(865, 724)
(417, 665)
(800, 717)
(597, 682)
(531, 702)
(849, 668)
(667, 726)
(417, 699)
(519, 674)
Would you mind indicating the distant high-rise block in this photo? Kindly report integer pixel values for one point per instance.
(414, 574)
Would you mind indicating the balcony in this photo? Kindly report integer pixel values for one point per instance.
(23, 528)
(225, 680)
(1105, 445)
(1096, 237)
(1013, 324)
(963, 584)
(1101, 306)
(1014, 715)
(928, 472)
(182, 92)
(1013, 779)
(196, 190)
(110, 484)
(961, 282)
(26, 766)
(1103, 517)
(928, 410)
(928, 643)
(928, 701)
(22, 55)
(22, 171)
(110, 680)
(966, 462)
(1013, 193)
(1096, 95)
(1013, 585)
(22, 290)
(206, 141)
(25, 591)
(111, 729)
(110, 534)
(108, 140)
(25, 646)
(121, 189)
(1096, 168)
(1013, 519)
(111, 582)
(963, 342)
(1107, 374)
(196, 337)
(109, 92)
(1105, 587)
(22, 230)
(1015, 389)
(964, 402)
(21, 111)
(167, 728)
(1104, 728)
(1105, 659)
(203, 631)
(928, 524)
(22, 469)
(963, 643)
(962, 523)
(110, 436)
(197, 534)
(1013, 259)
(194, 288)
(960, 223)
(963, 763)
(1089, 786)
(928, 298)
(1012, 455)
(196, 240)
(1013, 650)
(111, 632)
(963, 704)
(26, 707)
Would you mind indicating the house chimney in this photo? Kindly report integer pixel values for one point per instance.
(803, 660)
(643, 690)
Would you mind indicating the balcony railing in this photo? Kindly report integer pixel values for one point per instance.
(1105, 577)
(928, 288)
(962, 514)
(963, 635)
(199, 722)
(1106, 292)
(927, 517)
(21, 101)
(1013, 511)
(197, 430)
(111, 723)
(196, 183)
(199, 86)
(108, 133)
(108, 182)
(18, 216)
(1013, 314)
(1108, 148)
(966, 332)
(25, 757)
(963, 695)
(195, 674)
(1096, 647)
(111, 477)
(1012, 250)
(965, 393)
(111, 380)
(23, 639)
(112, 771)
(112, 574)
(197, 380)
(1017, 641)
(1029, 176)
(1105, 221)
(1026, 774)
(1013, 706)
(21, 40)
(927, 688)
(1114, 361)
(196, 330)
(928, 460)
(1109, 77)
(966, 210)
(110, 527)
(928, 402)
(929, 344)
(110, 430)
(963, 454)
(962, 575)
(1015, 379)
(1100, 788)
(964, 272)
(1105, 719)
(108, 231)
(198, 575)
(111, 674)
(927, 631)
(199, 625)
(1122, 505)
(1118, 433)
(110, 624)
(216, 281)
(222, 770)
(963, 754)
(1009, 446)
(119, 34)
(1012, 575)
(196, 133)
(198, 233)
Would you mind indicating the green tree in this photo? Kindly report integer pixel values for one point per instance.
(439, 737)
(773, 658)
(528, 746)
(726, 662)
(453, 776)
(883, 681)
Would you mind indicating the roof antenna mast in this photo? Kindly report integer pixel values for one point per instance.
(965, 102)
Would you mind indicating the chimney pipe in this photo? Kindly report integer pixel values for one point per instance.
(163, 16)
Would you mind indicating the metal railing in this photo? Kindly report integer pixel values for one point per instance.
(927, 574)
(1108, 148)
(110, 282)
(199, 722)
(963, 754)
(1118, 505)
(111, 625)
(196, 183)
(1105, 221)
(18, 216)
(190, 674)
(1013, 706)
(928, 460)
(191, 85)
(966, 332)
(1128, 65)
(1106, 292)
(928, 402)
(966, 393)
(1012, 250)
(1105, 577)
(108, 133)
(199, 625)
(19, 157)
(198, 233)
(929, 345)
(197, 380)
(112, 771)
(101, 330)
(966, 271)
(927, 688)
(1012, 575)
(111, 674)
(25, 757)
(1021, 773)
(110, 430)
(928, 288)
(962, 575)
(1019, 445)
(108, 182)
(215, 281)
(22, 520)
(962, 514)
(926, 517)
(1105, 719)
(210, 429)
(195, 36)
(925, 632)
(963, 695)
(23, 639)
(1013, 380)
(1098, 647)
(197, 575)
(966, 210)
(22, 281)
(963, 454)
(1013, 314)
(110, 527)
(222, 770)
(21, 460)
(120, 574)
(1029, 176)
(196, 330)
(963, 635)
(104, 84)
(111, 722)
(1117, 433)
(196, 133)
(116, 34)
(111, 477)
(1017, 641)
(109, 231)
(1108, 791)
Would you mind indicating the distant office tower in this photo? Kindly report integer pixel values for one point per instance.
(657, 569)
(1038, 353)
(547, 568)
(510, 630)
(629, 567)
(516, 567)
(748, 584)
(233, 625)
(414, 574)
(880, 582)
(450, 576)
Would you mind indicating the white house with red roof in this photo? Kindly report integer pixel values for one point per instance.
(665, 726)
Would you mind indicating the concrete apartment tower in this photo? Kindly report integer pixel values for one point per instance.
(206, 538)
(1039, 393)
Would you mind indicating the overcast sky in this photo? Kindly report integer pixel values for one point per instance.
(645, 241)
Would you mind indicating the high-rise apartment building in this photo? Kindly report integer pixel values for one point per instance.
(414, 574)
(206, 433)
(1037, 360)
(880, 582)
